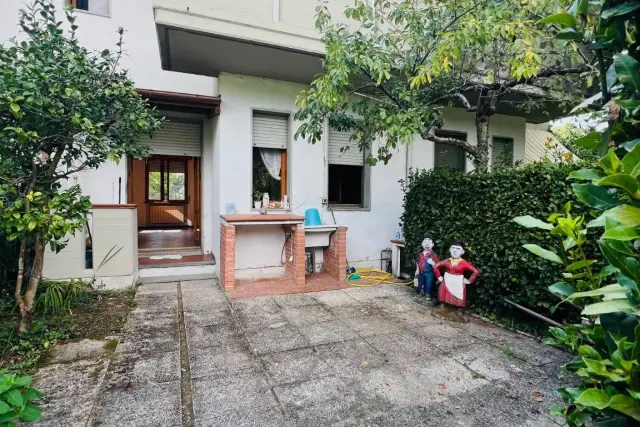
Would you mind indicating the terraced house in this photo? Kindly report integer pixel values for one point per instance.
(225, 74)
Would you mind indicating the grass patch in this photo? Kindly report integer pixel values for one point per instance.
(89, 314)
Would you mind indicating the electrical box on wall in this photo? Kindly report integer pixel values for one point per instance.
(324, 201)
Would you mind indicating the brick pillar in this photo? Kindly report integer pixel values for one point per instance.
(335, 255)
(227, 256)
(294, 270)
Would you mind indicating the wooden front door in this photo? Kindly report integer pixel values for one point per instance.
(197, 199)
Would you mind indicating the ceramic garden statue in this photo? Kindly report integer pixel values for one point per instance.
(453, 285)
(427, 259)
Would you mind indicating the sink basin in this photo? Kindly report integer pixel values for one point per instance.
(316, 236)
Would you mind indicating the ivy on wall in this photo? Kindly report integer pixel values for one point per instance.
(478, 210)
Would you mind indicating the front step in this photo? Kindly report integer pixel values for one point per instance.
(177, 273)
(191, 250)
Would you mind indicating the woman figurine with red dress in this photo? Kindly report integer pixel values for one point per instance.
(453, 284)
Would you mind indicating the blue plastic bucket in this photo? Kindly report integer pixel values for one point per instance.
(312, 217)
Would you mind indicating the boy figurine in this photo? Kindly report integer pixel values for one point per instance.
(427, 259)
(453, 288)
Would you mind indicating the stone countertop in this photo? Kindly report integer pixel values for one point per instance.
(274, 218)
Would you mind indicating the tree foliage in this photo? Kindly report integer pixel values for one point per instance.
(608, 346)
(392, 66)
(63, 110)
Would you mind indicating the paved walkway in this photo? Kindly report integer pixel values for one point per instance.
(354, 357)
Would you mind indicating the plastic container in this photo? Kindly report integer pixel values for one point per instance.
(312, 217)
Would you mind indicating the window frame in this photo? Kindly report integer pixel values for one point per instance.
(285, 167)
(166, 159)
(365, 181)
(444, 133)
(75, 9)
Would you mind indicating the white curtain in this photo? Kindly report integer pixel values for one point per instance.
(272, 161)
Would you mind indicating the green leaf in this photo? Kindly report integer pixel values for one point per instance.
(561, 288)
(630, 145)
(31, 225)
(568, 243)
(624, 233)
(543, 253)
(597, 292)
(579, 265)
(586, 174)
(620, 10)
(569, 34)
(610, 162)
(31, 412)
(590, 352)
(621, 180)
(631, 162)
(14, 397)
(616, 252)
(14, 107)
(594, 398)
(590, 141)
(564, 19)
(627, 405)
(624, 214)
(530, 222)
(628, 71)
(607, 307)
(8, 416)
(4, 408)
(595, 196)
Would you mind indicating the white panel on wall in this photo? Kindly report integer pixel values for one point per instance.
(339, 154)
(176, 139)
(270, 130)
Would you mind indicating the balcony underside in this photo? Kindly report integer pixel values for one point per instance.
(200, 53)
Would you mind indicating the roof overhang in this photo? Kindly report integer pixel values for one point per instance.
(184, 102)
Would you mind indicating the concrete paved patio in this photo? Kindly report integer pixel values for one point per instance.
(354, 357)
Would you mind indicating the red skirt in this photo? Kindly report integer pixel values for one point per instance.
(447, 297)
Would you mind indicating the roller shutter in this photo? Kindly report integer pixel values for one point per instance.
(270, 131)
(337, 156)
(501, 150)
(176, 139)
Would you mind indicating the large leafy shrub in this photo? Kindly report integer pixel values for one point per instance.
(477, 210)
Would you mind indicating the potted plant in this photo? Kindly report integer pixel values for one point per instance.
(257, 199)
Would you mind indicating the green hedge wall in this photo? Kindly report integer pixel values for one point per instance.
(477, 210)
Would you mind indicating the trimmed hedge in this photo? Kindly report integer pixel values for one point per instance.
(477, 210)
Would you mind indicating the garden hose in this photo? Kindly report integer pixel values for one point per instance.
(378, 277)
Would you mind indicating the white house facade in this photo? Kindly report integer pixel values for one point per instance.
(225, 74)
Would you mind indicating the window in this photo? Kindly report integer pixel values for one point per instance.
(166, 179)
(270, 136)
(449, 156)
(99, 7)
(346, 171)
(501, 152)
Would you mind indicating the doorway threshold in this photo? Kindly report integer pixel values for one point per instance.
(175, 260)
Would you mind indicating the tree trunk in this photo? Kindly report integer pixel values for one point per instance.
(26, 302)
(486, 109)
(481, 159)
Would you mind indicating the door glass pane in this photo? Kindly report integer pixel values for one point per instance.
(155, 177)
(176, 180)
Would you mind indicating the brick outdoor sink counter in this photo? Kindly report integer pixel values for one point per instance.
(335, 259)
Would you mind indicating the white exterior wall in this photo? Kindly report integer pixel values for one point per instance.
(115, 239)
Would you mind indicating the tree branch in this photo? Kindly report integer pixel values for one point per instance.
(464, 145)
(463, 99)
(545, 73)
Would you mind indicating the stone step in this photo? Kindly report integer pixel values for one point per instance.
(178, 272)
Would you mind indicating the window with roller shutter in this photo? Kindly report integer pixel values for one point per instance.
(449, 156)
(347, 173)
(501, 152)
(270, 138)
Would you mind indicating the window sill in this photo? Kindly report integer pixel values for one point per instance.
(348, 208)
(273, 210)
(91, 13)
